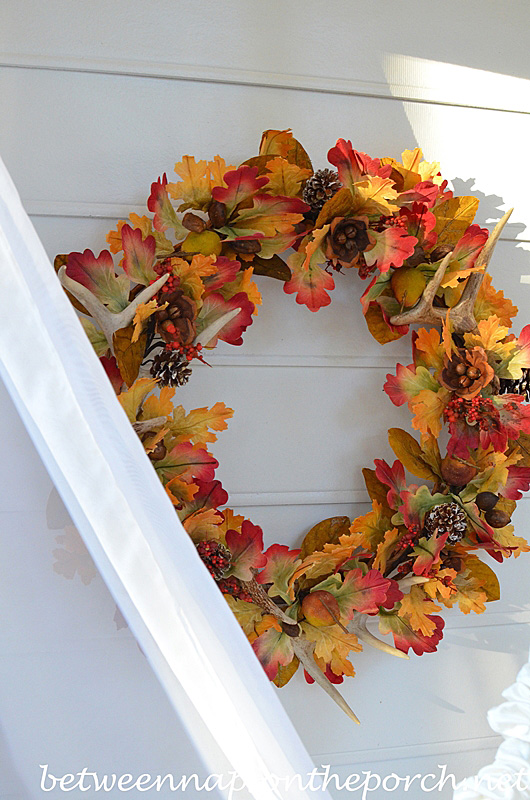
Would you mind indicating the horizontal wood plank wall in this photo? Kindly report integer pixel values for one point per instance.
(105, 98)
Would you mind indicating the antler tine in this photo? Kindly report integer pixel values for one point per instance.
(304, 652)
(107, 320)
(462, 314)
(423, 311)
(358, 626)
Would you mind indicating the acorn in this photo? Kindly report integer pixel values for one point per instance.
(456, 472)
(486, 501)
(497, 519)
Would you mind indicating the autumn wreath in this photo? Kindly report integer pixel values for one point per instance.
(185, 281)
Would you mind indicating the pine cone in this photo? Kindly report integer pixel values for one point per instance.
(446, 518)
(170, 369)
(320, 187)
(466, 372)
(175, 323)
(522, 386)
(216, 557)
(347, 238)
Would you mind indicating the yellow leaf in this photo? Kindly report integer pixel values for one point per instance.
(180, 492)
(158, 405)
(326, 561)
(378, 327)
(129, 353)
(429, 349)
(410, 454)
(506, 538)
(194, 189)
(374, 195)
(453, 217)
(133, 398)
(231, 522)
(284, 674)
(415, 607)
(385, 549)
(332, 645)
(243, 283)
(340, 205)
(203, 524)
(285, 179)
(372, 525)
(218, 168)
(196, 426)
(189, 276)
(428, 408)
(247, 614)
(143, 312)
(440, 586)
(491, 302)
(485, 577)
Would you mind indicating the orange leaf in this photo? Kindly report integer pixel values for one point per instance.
(414, 607)
(194, 189)
(196, 426)
(285, 179)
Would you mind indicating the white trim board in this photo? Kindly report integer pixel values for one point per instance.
(449, 95)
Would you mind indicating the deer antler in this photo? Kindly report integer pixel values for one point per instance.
(462, 314)
(358, 626)
(302, 647)
(107, 320)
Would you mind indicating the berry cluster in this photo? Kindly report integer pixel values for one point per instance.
(187, 351)
(215, 556)
(233, 587)
(478, 411)
(410, 538)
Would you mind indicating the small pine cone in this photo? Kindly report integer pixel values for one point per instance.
(446, 518)
(320, 187)
(176, 322)
(233, 587)
(522, 386)
(170, 369)
(216, 557)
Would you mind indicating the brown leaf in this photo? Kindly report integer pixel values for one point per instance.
(376, 490)
(260, 162)
(377, 326)
(274, 267)
(60, 261)
(485, 576)
(410, 454)
(340, 205)
(129, 354)
(283, 143)
(285, 674)
(327, 531)
(453, 217)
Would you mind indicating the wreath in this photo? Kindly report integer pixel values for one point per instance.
(185, 282)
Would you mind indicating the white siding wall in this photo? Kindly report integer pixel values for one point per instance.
(98, 99)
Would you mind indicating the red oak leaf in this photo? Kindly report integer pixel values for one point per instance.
(518, 479)
(392, 247)
(396, 385)
(110, 365)
(97, 275)
(330, 675)
(226, 271)
(187, 461)
(139, 255)
(241, 185)
(393, 476)
(215, 306)
(165, 215)
(209, 495)
(280, 567)
(309, 280)
(469, 246)
(246, 549)
(273, 648)
(405, 637)
(352, 165)
(427, 553)
(424, 192)
(363, 593)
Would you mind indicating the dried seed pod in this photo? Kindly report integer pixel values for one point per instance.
(486, 501)
(246, 246)
(217, 214)
(193, 222)
(497, 519)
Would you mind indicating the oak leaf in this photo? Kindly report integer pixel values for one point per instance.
(129, 353)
